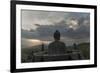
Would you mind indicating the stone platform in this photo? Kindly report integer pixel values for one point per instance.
(42, 56)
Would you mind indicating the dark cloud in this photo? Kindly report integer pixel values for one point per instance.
(45, 32)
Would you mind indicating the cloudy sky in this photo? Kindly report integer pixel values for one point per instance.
(39, 26)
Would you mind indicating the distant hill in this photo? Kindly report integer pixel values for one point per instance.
(85, 49)
(86, 44)
(37, 48)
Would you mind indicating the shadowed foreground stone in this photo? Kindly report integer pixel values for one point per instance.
(58, 57)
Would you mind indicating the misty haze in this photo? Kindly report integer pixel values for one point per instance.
(44, 34)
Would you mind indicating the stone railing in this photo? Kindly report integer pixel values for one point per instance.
(44, 56)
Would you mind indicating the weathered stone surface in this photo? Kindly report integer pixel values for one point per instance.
(58, 57)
